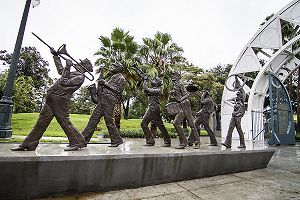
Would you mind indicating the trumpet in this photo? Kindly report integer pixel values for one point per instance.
(63, 51)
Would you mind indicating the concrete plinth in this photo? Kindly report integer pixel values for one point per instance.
(50, 171)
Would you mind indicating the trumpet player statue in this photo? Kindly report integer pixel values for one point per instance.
(185, 111)
(203, 118)
(106, 96)
(153, 113)
(57, 105)
(235, 122)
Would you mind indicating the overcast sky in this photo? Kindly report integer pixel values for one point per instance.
(211, 32)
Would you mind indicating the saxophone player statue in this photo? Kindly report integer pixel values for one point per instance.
(106, 96)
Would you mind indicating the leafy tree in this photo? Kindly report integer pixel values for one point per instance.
(22, 93)
(3, 76)
(81, 103)
(160, 56)
(120, 47)
(30, 65)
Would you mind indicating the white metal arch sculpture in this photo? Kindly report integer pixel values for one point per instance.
(278, 52)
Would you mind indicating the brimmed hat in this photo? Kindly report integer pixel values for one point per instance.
(87, 64)
(118, 65)
(175, 75)
(156, 81)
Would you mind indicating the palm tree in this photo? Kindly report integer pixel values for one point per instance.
(121, 47)
(161, 56)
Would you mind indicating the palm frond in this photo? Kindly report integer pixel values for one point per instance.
(105, 41)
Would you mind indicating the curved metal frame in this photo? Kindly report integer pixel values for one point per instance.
(282, 61)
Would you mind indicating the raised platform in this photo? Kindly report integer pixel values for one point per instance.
(50, 171)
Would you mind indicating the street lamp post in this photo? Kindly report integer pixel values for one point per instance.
(6, 103)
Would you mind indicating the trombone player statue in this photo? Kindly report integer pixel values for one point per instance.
(106, 96)
(57, 105)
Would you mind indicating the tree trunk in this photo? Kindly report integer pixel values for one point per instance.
(126, 109)
(117, 113)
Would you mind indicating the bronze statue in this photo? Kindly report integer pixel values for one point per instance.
(203, 118)
(184, 111)
(57, 105)
(153, 113)
(106, 97)
(235, 122)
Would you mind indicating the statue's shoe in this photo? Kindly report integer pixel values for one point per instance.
(166, 145)
(213, 145)
(241, 146)
(20, 148)
(181, 146)
(149, 144)
(190, 144)
(116, 144)
(75, 147)
(70, 145)
(226, 145)
(197, 144)
(28, 146)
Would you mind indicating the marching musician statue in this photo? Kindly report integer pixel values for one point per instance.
(57, 105)
(203, 118)
(235, 122)
(153, 113)
(106, 97)
(181, 95)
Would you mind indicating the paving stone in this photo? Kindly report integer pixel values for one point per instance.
(245, 190)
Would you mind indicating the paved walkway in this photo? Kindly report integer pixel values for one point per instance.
(280, 180)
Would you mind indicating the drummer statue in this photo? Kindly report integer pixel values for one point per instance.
(153, 113)
(203, 118)
(184, 112)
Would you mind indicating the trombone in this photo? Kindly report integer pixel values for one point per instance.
(62, 52)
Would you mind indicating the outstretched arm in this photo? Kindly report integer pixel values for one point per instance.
(76, 79)
(66, 71)
(58, 64)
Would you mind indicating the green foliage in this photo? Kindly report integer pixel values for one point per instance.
(22, 123)
(138, 106)
(138, 133)
(3, 77)
(23, 95)
(81, 102)
(31, 79)
(212, 80)
(121, 47)
(30, 64)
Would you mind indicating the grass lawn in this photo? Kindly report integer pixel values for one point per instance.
(22, 123)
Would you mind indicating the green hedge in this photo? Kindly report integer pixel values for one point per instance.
(138, 133)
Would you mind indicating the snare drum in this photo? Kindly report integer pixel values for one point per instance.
(173, 108)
